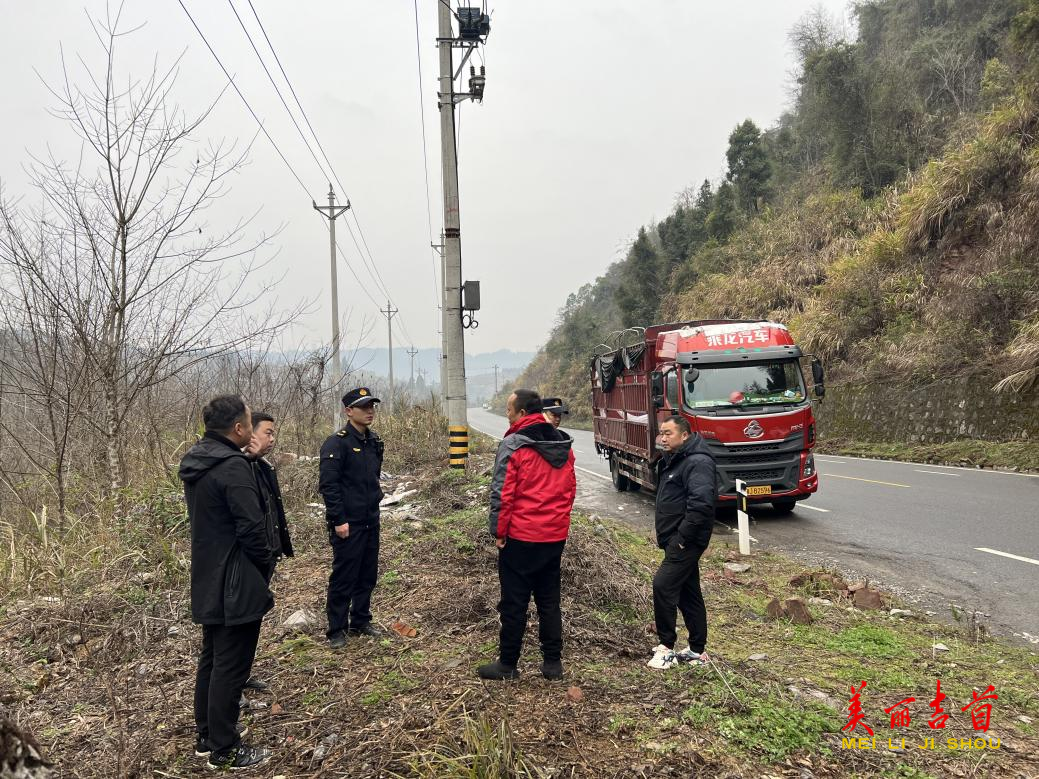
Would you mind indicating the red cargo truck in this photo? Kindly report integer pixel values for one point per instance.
(740, 385)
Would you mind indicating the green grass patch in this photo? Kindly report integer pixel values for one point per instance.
(871, 641)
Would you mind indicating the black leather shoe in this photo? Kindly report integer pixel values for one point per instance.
(552, 669)
(497, 670)
(256, 684)
(367, 629)
(337, 641)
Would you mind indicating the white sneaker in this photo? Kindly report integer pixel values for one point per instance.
(663, 658)
(687, 655)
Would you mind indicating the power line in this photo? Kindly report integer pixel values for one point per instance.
(425, 166)
(246, 102)
(259, 122)
(369, 260)
(277, 90)
(306, 142)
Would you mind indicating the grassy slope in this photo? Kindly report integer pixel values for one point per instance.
(104, 677)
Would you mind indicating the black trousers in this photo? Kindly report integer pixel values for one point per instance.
(355, 570)
(677, 586)
(524, 569)
(223, 667)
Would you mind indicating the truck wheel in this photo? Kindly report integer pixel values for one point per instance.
(784, 507)
(621, 482)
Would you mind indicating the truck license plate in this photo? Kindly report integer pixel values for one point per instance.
(764, 489)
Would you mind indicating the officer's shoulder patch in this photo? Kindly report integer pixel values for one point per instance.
(341, 433)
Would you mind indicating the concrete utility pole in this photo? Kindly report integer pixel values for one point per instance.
(496, 367)
(411, 382)
(473, 28)
(333, 212)
(390, 312)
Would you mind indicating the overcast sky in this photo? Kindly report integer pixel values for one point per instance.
(597, 114)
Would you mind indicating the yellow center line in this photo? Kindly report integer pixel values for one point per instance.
(871, 481)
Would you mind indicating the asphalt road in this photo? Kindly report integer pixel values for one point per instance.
(938, 536)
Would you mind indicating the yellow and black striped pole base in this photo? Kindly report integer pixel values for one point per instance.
(458, 445)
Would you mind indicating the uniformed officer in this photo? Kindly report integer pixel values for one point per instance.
(351, 461)
(553, 409)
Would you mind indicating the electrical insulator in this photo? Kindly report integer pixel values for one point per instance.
(477, 82)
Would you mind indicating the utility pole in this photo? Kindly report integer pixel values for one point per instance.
(496, 379)
(473, 28)
(411, 382)
(333, 212)
(390, 312)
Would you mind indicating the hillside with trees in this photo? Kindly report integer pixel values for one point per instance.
(889, 217)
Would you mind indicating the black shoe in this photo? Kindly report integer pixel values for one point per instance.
(552, 669)
(337, 640)
(244, 756)
(202, 745)
(256, 684)
(367, 629)
(497, 670)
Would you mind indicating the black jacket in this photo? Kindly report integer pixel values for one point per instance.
(686, 492)
(231, 556)
(349, 477)
(274, 509)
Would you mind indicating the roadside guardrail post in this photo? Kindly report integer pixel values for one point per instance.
(742, 518)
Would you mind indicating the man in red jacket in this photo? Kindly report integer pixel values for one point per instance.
(532, 494)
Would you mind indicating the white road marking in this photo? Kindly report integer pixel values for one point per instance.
(813, 508)
(938, 473)
(591, 473)
(828, 458)
(1006, 554)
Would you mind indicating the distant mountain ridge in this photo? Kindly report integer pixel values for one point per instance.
(375, 361)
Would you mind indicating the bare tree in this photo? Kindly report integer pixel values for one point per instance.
(42, 369)
(957, 75)
(128, 262)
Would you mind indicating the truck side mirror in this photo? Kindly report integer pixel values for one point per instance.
(819, 378)
(656, 388)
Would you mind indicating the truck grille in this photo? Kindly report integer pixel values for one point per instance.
(776, 463)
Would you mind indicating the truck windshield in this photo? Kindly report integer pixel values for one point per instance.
(731, 386)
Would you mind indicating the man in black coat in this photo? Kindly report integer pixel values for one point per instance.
(231, 563)
(260, 446)
(686, 492)
(351, 462)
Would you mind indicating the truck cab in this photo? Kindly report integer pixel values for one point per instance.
(740, 385)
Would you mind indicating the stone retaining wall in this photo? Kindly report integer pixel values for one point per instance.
(933, 413)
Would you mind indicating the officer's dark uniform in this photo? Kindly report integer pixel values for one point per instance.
(349, 483)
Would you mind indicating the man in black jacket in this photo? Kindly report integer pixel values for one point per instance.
(231, 561)
(260, 445)
(686, 492)
(351, 462)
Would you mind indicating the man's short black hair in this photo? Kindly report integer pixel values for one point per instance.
(221, 413)
(527, 401)
(681, 423)
(262, 416)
